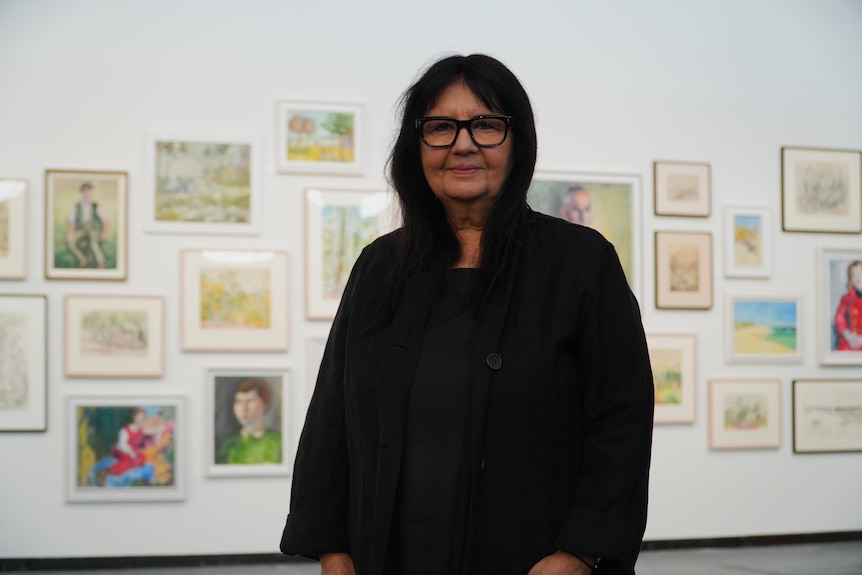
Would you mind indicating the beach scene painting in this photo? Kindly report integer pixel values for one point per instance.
(763, 330)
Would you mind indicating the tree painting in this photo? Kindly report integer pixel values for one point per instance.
(14, 385)
(116, 333)
(319, 136)
(4, 228)
(667, 375)
(235, 298)
(345, 232)
(745, 411)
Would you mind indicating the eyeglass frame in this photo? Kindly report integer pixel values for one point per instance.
(464, 124)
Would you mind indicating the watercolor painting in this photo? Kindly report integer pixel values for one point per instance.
(667, 374)
(115, 333)
(4, 228)
(13, 228)
(318, 137)
(673, 358)
(14, 371)
(747, 240)
(827, 415)
(745, 411)
(346, 231)
(684, 268)
(839, 308)
(235, 298)
(23, 363)
(764, 329)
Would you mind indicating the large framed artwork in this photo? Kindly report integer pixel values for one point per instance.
(338, 224)
(202, 183)
(125, 448)
(763, 329)
(827, 415)
(683, 270)
(744, 414)
(821, 190)
(674, 369)
(23, 363)
(85, 225)
(114, 336)
(609, 203)
(681, 189)
(747, 242)
(247, 411)
(13, 229)
(319, 137)
(839, 307)
(234, 300)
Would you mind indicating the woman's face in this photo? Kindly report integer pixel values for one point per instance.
(465, 174)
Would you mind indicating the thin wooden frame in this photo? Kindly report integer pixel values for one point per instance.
(744, 414)
(23, 362)
(247, 422)
(683, 270)
(747, 242)
(839, 306)
(827, 415)
(13, 229)
(338, 225)
(609, 203)
(114, 455)
(114, 336)
(821, 190)
(202, 183)
(319, 137)
(681, 189)
(234, 300)
(763, 329)
(674, 366)
(77, 245)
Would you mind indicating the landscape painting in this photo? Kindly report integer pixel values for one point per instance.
(318, 137)
(673, 361)
(763, 330)
(23, 363)
(748, 246)
(235, 298)
(744, 414)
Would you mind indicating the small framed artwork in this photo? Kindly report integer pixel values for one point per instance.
(821, 190)
(609, 203)
(114, 336)
(839, 307)
(338, 225)
(747, 242)
(234, 300)
(827, 415)
(319, 137)
(202, 183)
(674, 370)
(745, 414)
(13, 229)
(247, 411)
(683, 270)
(23, 363)
(85, 225)
(125, 449)
(763, 330)
(681, 189)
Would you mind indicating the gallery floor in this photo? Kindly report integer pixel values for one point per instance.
(843, 558)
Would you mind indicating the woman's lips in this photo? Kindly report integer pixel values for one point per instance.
(465, 170)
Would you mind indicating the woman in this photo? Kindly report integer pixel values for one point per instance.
(484, 404)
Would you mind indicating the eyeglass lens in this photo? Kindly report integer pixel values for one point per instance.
(485, 131)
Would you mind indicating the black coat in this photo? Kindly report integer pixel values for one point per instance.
(561, 412)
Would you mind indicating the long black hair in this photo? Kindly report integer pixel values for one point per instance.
(426, 239)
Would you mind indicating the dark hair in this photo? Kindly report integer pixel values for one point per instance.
(426, 238)
(258, 385)
(86, 185)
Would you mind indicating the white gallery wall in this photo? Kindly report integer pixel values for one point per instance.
(616, 85)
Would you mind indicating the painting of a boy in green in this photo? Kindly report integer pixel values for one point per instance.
(85, 222)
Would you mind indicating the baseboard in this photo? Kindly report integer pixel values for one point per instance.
(753, 540)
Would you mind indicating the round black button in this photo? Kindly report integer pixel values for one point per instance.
(494, 361)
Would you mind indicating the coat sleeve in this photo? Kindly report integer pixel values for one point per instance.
(608, 517)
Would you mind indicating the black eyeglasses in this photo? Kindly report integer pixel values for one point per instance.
(486, 131)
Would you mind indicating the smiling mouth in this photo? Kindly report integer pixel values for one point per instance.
(465, 170)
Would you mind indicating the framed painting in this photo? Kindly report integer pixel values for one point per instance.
(745, 414)
(821, 190)
(85, 225)
(827, 415)
(747, 242)
(234, 300)
(23, 363)
(13, 229)
(763, 330)
(681, 189)
(683, 270)
(338, 225)
(114, 336)
(839, 307)
(248, 423)
(674, 370)
(125, 448)
(204, 183)
(319, 137)
(605, 202)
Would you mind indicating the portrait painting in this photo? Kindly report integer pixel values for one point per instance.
(23, 363)
(203, 184)
(821, 190)
(747, 242)
(827, 415)
(744, 414)
(839, 313)
(609, 204)
(319, 137)
(234, 300)
(681, 189)
(13, 229)
(763, 330)
(248, 424)
(673, 360)
(683, 270)
(125, 449)
(85, 225)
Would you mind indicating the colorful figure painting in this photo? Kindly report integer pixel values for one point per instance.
(248, 423)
